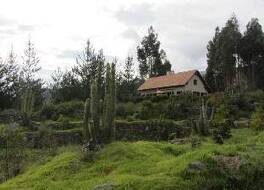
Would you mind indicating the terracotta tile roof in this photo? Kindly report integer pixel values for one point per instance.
(169, 80)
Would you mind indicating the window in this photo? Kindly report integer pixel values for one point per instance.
(195, 82)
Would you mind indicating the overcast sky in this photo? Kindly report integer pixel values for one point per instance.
(59, 29)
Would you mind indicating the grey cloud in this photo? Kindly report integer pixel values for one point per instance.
(136, 15)
(67, 54)
(12, 27)
(130, 34)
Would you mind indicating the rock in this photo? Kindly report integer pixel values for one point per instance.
(194, 166)
(106, 186)
(231, 163)
(179, 141)
(242, 123)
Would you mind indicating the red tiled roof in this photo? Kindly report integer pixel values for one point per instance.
(169, 80)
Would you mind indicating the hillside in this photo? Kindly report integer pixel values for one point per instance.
(152, 165)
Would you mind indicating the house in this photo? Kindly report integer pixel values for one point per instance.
(175, 83)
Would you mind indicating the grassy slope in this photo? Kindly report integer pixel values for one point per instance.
(140, 165)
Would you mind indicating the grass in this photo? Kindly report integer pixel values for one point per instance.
(138, 165)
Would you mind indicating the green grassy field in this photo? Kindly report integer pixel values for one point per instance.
(143, 166)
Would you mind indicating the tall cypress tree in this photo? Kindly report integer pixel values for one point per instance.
(212, 72)
(152, 59)
(230, 37)
(252, 53)
(222, 55)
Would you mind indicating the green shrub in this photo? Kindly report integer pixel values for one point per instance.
(222, 131)
(47, 139)
(195, 142)
(71, 109)
(11, 149)
(49, 111)
(257, 119)
(237, 105)
(147, 110)
(217, 137)
(155, 130)
(183, 106)
(124, 110)
(150, 110)
(9, 115)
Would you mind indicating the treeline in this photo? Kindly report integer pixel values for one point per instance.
(16, 78)
(75, 84)
(235, 59)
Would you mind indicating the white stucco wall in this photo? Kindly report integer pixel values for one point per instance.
(195, 88)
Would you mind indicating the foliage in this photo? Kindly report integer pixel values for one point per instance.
(257, 119)
(154, 130)
(11, 148)
(222, 130)
(70, 109)
(124, 110)
(181, 106)
(9, 80)
(9, 116)
(235, 61)
(152, 59)
(195, 142)
(49, 111)
(76, 83)
(47, 139)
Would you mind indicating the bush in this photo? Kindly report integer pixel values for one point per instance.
(47, 139)
(147, 110)
(217, 137)
(222, 131)
(124, 110)
(9, 115)
(12, 145)
(195, 142)
(65, 122)
(257, 119)
(238, 105)
(155, 130)
(71, 109)
(181, 107)
(49, 111)
(150, 110)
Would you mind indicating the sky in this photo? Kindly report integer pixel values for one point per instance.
(60, 28)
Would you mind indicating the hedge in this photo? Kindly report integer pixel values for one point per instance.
(153, 130)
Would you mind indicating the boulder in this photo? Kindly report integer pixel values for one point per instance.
(231, 163)
(196, 166)
(179, 141)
